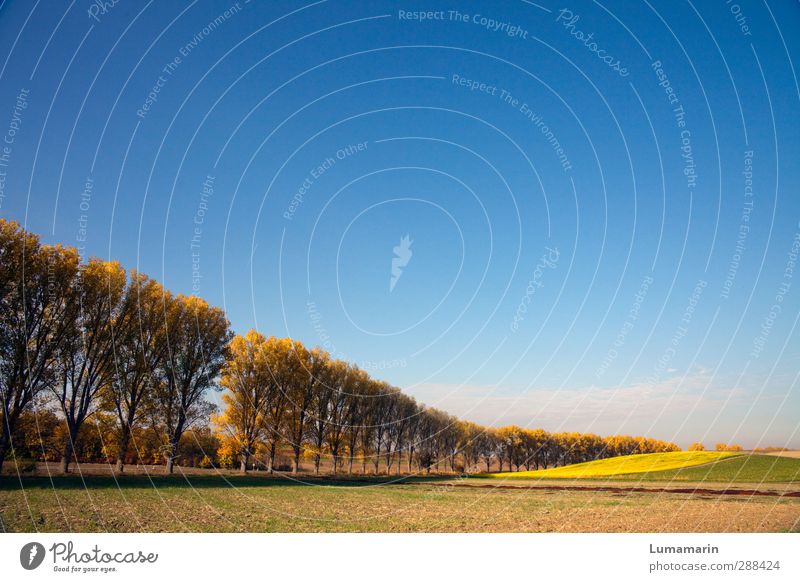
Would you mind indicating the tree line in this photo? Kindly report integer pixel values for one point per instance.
(86, 340)
(721, 447)
(87, 336)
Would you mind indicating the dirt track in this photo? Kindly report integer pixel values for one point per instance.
(629, 489)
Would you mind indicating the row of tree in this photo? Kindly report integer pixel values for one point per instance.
(90, 339)
(89, 336)
(722, 447)
(41, 435)
(279, 392)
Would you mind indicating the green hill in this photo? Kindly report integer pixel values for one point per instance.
(682, 466)
(741, 469)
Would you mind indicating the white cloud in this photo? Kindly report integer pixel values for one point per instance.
(653, 409)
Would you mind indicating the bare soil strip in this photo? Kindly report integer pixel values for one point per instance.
(628, 489)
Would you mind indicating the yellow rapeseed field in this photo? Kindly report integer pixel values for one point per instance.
(623, 465)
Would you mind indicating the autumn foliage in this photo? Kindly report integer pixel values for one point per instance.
(102, 364)
(731, 448)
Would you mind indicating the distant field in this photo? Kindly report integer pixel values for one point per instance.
(622, 465)
(686, 466)
(792, 454)
(741, 469)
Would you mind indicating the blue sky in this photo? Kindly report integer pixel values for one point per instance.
(271, 157)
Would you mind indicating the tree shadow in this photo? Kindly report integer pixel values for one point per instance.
(193, 481)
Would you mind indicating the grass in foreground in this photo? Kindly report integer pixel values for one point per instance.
(258, 504)
(622, 465)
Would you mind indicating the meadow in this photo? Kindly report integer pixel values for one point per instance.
(754, 493)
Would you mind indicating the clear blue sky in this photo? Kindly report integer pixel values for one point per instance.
(624, 283)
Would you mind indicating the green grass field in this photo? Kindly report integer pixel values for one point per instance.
(740, 469)
(696, 466)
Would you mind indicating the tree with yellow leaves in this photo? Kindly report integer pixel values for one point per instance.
(86, 356)
(198, 336)
(313, 363)
(287, 370)
(35, 317)
(140, 346)
(246, 379)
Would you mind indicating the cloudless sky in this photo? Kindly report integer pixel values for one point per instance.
(626, 283)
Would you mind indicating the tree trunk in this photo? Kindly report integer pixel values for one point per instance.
(174, 441)
(273, 446)
(66, 457)
(296, 465)
(297, 446)
(124, 440)
(243, 465)
(9, 422)
(3, 449)
(316, 463)
(171, 455)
